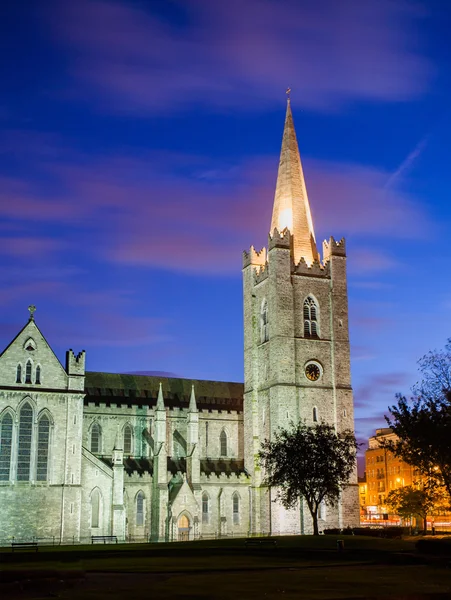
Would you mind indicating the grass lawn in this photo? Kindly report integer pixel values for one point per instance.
(300, 567)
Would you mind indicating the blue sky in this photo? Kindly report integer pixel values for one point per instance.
(139, 146)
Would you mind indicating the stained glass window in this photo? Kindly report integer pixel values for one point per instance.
(6, 438)
(43, 449)
(24, 447)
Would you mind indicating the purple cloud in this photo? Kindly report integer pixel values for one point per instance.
(130, 59)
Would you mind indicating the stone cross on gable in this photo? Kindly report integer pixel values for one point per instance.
(32, 310)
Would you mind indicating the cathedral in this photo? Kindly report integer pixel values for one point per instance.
(144, 458)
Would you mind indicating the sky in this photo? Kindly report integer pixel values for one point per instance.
(139, 145)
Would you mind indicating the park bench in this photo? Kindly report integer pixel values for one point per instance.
(21, 545)
(103, 538)
(260, 541)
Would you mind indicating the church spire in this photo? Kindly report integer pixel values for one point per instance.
(291, 206)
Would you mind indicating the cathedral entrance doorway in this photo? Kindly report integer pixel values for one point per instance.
(184, 527)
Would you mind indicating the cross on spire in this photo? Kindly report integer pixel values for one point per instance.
(32, 310)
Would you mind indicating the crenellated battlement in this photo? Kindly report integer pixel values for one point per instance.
(316, 269)
(75, 364)
(261, 273)
(278, 239)
(334, 248)
(254, 258)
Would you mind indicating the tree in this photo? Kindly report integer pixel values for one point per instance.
(313, 463)
(409, 501)
(423, 423)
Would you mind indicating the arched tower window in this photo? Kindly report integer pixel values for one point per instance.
(96, 438)
(24, 447)
(28, 372)
(139, 509)
(38, 375)
(19, 374)
(95, 508)
(128, 437)
(311, 314)
(42, 462)
(6, 439)
(223, 443)
(236, 508)
(315, 414)
(264, 327)
(205, 508)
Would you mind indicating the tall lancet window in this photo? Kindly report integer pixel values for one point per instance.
(311, 314)
(128, 437)
(223, 443)
(24, 447)
(6, 439)
(43, 448)
(96, 438)
(28, 372)
(264, 328)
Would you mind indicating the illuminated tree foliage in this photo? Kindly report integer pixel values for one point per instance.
(409, 501)
(313, 463)
(423, 423)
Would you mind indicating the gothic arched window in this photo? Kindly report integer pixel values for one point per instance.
(205, 508)
(264, 327)
(139, 509)
(24, 446)
(236, 508)
(128, 437)
(38, 375)
(311, 314)
(19, 374)
(223, 443)
(6, 440)
(42, 461)
(95, 508)
(28, 372)
(96, 438)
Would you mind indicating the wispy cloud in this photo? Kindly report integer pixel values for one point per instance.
(161, 213)
(127, 58)
(407, 163)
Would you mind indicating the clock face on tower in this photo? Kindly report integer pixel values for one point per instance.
(312, 371)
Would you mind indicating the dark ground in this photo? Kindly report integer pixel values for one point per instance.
(300, 567)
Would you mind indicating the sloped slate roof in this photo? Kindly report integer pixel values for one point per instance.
(142, 390)
(178, 465)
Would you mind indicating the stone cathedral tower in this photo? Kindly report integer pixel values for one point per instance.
(296, 342)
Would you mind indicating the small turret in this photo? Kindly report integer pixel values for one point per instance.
(75, 368)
